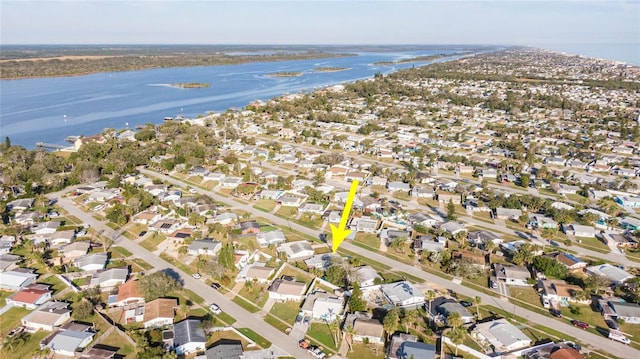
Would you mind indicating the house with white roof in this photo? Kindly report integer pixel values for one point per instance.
(512, 274)
(366, 276)
(327, 308)
(402, 294)
(92, 262)
(266, 239)
(67, 342)
(284, 290)
(364, 224)
(258, 271)
(207, 247)
(17, 279)
(614, 274)
(503, 336)
(49, 316)
(296, 250)
(109, 278)
(578, 230)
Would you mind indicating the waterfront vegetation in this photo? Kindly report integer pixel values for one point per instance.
(285, 74)
(191, 85)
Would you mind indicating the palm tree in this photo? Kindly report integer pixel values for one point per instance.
(348, 335)
(457, 336)
(454, 320)
(476, 301)
(334, 328)
(409, 318)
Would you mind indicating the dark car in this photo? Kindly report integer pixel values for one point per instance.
(215, 285)
(465, 303)
(612, 324)
(556, 313)
(142, 233)
(580, 324)
(493, 284)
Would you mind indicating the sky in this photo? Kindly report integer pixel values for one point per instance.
(536, 23)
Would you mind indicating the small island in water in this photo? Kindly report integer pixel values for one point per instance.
(331, 69)
(285, 74)
(191, 85)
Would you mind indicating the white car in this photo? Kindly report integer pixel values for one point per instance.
(196, 275)
(214, 308)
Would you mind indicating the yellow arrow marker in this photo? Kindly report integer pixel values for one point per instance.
(340, 233)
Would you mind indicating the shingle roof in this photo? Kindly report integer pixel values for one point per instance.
(188, 331)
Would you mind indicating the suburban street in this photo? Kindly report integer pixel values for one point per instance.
(244, 318)
(597, 341)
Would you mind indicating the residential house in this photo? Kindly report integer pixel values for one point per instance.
(17, 279)
(9, 262)
(226, 218)
(573, 263)
(402, 294)
(327, 309)
(365, 328)
(159, 312)
(165, 225)
(258, 271)
(364, 224)
(614, 274)
(388, 235)
(207, 247)
(447, 308)
(20, 205)
(27, 218)
(30, 297)
(423, 192)
(49, 316)
(481, 237)
(248, 227)
(75, 250)
(109, 278)
(630, 223)
(628, 201)
(319, 261)
(98, 353)
(477, 260)
(225, 349)
(626, 240)
(508, 213)
(424, 219)
(284, 290)
(538, 221)
(393, 350)
(512, 274)
(578, 230)
(296, 250)
(420, 350)
(92, 262)
(453, 227)
(266, 239)
(398, 186)
(501, 335)
(449, 197)
(67, 342)
(291, 200)
(487, 173)
(6, 243)
(179, 235)
(231, 182)
(366, 276)
(427, 243)
(312, 208)
(270, 194)
(44, 228)
(128, 295)
(147, 217)
(554, 292)
(475, 205)
(619, 310)
(188, 337)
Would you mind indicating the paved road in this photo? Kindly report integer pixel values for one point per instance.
(614, 348)
(243, 317)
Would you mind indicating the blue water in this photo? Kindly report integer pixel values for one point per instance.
(33, 110)
(628, 52)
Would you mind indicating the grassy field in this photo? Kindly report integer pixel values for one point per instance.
(249, 306)
(151, 243)
(286, 311)
(364, 351)
(11, 318)
(4, 294)
(593, 244)
(321, 333)
(123, 252)
(255, 293)
(262, 342)
(226, 335)
(368, 239)
(142, 264)
(266, 205)
(55, 283)
(116, 340)
(404, 196)
(287, 212)
(26, 350)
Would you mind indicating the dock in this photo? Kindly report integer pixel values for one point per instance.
(50, 146)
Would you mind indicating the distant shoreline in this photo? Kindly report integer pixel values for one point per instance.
(191, 85)
(285, 74)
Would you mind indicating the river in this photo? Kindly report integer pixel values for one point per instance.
(50, 109)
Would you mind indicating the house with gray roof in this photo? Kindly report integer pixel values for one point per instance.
(629, 312)
(20, 204)
(109, 278)
(452, 227)
(207, 247)
(426, 243)
(297, 250)
(9, 262)
(512, 274)
(49, 316)
(319, 261)
(614, 274)
(266, 239)
(508, 213)
(366, 276)
(420, 350)
(67, 342)
(364, 224)
(481, 237)
(398, 186)
(447, 308)
(503, 336)
(17, 279)
(402, 294)
(225, 349)
(188, 337)
(92, 262)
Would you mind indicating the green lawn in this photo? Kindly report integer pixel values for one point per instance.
(255, 337)
(364, 351)
(249, 306)
(152, 242)
(123, 252)
(55, 283)
(11, 318)
(26, 350)
(313, 221)
(276, 323)
(287, 212)
(266, 205)
(4, 294)
(256, 293)
(593, 244)
(226, 335)
(300, 275)
(368, 239)
(116, 340)
(404, 196)
(320, 332)
(526, 294)
(286, 311)
(142, 264)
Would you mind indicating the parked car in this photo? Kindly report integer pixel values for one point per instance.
(619, 337)
(215, 285)
(299, 318)
(303, 343)
(196, 275)
(214, 308)
(580, 324)
(612, 324)
(316, 352)
(307, 320)
(142, 233)
(494, 284)
(556, 313)
(466, 303)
